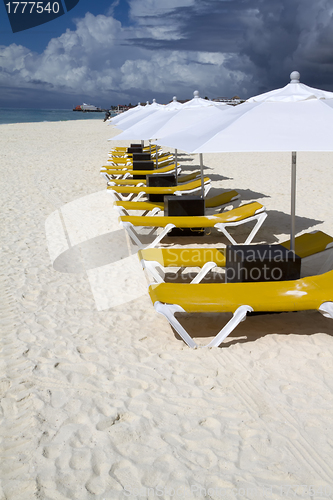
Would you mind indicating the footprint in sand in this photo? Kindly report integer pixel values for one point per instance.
(5, 384)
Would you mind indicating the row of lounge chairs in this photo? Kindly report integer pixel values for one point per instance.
(306, 293)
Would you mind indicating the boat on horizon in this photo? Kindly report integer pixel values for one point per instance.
(88, 108)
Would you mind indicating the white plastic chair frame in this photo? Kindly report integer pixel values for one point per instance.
(259, 217)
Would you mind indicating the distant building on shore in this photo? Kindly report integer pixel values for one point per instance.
(227, 100)
(120, 108)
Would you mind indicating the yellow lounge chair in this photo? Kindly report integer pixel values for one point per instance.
(314, 292)
(129, 164)
(218, 201)
(145, 149)
(116, 163)
(111, 174)
(136, 193)
(123, 150)
(211, 202)
(128, 157)
(156, 260)
(241, 215)
(143, 182)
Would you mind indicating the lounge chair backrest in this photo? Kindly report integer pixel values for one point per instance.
(310, 243)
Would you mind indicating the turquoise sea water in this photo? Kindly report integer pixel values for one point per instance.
(8, 115)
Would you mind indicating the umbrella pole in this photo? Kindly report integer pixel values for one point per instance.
(176, 166)
(293, 201)
(202, 176)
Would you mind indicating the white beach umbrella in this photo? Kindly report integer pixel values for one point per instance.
(129, 120)
(146, 127)
(294, 118)
(142, 126)
(174, 104)
(173, 119)
(116, 119)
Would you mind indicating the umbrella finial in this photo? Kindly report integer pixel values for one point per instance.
(294, 77)
(174, 98)
(196, 93)
(154, 100)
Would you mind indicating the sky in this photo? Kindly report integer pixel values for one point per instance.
(107, 53)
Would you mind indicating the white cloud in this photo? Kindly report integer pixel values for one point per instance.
(178, 46)
(112, 7)
(96, 58)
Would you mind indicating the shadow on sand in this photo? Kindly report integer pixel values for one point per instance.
(201, 326)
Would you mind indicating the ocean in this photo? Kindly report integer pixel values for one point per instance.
(10, 115)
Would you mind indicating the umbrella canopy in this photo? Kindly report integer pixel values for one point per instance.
(115, 119)
(294, 118)
(174, 104)
(146, 126)
(128, 120)
(173, 119)
(293, 92)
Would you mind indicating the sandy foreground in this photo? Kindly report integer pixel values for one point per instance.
(99, 398)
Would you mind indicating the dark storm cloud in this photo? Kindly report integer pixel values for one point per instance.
(275, 36)
(212, 26)
(219, 47)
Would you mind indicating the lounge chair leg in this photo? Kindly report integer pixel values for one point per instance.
(202, 273)
(121, 210)
(326, 309)
(256, 228)
(120, 197)
(238, 317)
(259, 218)
(207, 188)
(105, 175)
(155, 269)
(155, 211)
(165, 231)
(134, 235)
(169, 310)
(129, 197)
(223, 230)
(140, 195)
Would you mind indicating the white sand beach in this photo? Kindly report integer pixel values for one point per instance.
(100, 399)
